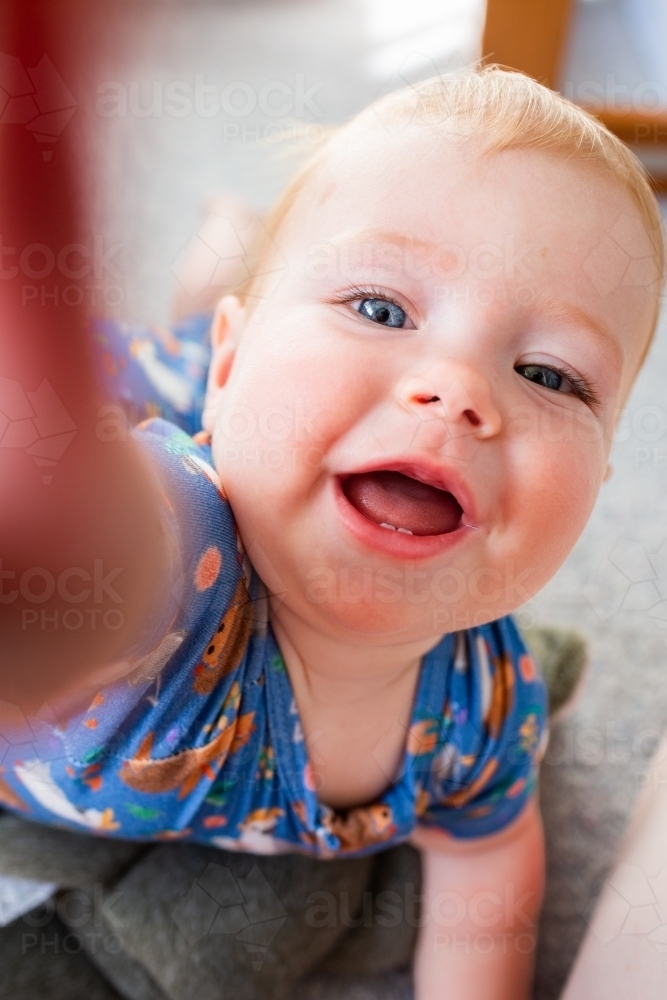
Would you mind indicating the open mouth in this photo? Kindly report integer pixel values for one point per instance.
(401, 503)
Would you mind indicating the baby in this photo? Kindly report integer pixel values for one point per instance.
(408, 416)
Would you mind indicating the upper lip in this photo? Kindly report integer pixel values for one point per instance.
(428, 471)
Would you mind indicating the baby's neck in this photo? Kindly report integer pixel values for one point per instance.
(341, 670)
(355, 705)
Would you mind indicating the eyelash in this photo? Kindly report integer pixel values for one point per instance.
(369, 292)
(583, 390)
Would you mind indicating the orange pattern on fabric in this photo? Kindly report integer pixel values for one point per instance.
(185, 770)
(422, 737)
(422, 802)
(363, 826)
(516, 788)
(527, 668)
(209, 822)
(208, 568)
(226, 648)
(463, 796)
(9, 798)
(502, 695)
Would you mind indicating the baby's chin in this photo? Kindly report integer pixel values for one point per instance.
(376, 623)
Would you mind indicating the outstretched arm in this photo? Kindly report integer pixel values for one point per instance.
(479, 915)
(78, 524)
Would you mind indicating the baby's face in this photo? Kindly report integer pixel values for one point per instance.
(445, 354)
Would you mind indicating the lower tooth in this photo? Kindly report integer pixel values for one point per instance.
(406, 531)
(383, 524)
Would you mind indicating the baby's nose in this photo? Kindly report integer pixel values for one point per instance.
(457, 392)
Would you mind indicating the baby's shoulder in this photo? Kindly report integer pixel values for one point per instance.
(486, 731)
(487, 679)
(180, 453)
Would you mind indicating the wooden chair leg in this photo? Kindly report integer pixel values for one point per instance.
(528, 35)
(531, 35)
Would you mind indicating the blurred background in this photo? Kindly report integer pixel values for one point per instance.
(186, 98)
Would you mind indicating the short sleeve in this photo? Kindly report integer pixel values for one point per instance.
(207, 578)
(204, 549)
(140, 760)
(492, 737)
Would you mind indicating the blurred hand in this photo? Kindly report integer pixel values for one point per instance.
(80, 546)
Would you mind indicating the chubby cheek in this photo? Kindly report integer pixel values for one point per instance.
(292, 397)
(552, 488)
(269, 431)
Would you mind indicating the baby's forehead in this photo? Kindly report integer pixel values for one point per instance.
(370, 169)
(535, 210)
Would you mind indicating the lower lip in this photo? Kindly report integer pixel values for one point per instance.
(394, 543)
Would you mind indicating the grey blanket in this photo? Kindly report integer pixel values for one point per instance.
(180, 921)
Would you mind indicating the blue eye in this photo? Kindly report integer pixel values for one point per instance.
(560, 381)
(541, 375)
(383, 312)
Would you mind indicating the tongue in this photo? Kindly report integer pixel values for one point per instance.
(395, 499)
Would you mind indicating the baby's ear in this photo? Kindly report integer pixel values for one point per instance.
(226, 329)
(228, 323)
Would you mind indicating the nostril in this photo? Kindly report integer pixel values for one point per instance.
(472, 417)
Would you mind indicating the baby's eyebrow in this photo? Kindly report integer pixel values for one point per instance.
(570, 313)
(366, 235)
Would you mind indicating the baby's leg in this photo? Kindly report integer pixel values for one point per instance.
(213, 261)
(624, 953)
(154, 371)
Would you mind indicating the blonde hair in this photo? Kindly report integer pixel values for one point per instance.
(506, 110)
